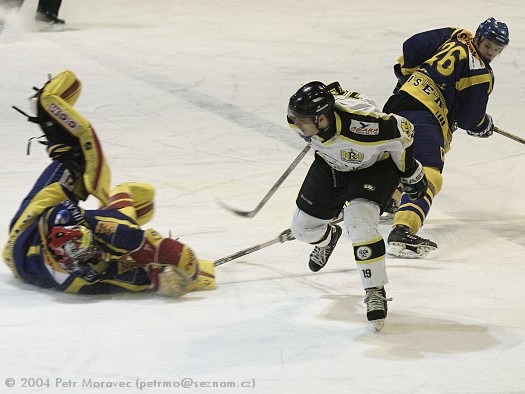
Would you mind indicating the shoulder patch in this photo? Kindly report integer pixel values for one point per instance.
(407, 127)
(364, 128)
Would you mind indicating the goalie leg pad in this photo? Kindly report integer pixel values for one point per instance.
(161, 255)
(56, 99)
(172, 252)
(133, 199)
(206, 277)
(121, 199)
(143, 195)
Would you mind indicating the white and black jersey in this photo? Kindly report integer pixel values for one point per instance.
(361, 135)
(362, 154)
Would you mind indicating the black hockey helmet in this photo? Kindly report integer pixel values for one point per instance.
(310, 101)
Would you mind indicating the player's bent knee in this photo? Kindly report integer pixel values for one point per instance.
(361, 219)
(158, 254)
(307, 228)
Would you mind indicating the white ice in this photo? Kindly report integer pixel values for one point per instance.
(191, 96)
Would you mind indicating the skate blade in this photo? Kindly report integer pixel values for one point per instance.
(49, 27)
(400, 250)
(378, 324)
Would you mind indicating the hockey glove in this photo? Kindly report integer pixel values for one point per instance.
(415, 186)
(486, 129)
(70, 155)
(170, 281)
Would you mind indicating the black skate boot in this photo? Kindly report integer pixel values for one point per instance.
(376, 306)
(402, 242)
(319, 257)
(47, 21)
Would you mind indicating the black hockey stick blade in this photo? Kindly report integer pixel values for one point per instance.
(246, 214)
(271, 192)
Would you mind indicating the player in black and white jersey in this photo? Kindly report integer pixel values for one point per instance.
(361, 155)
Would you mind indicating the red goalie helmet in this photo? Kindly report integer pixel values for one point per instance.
(71, 245)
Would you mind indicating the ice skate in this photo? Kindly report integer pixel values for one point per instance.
(49, 22)
(319, 256)
(402, 242)
(376, 306)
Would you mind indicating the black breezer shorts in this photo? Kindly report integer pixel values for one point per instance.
(325, 191)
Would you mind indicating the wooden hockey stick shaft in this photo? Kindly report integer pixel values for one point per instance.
(271, 192)
(286, 235)
(509, 135)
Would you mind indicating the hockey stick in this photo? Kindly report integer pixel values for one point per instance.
(509, 135)
(286, 235)
(252, 213)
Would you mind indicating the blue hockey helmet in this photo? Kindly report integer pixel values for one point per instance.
(311, 100)
(494, 31)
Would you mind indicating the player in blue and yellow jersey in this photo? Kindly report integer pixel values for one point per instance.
(444, 82)
(54, 243)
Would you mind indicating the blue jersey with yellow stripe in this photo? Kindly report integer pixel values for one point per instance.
(50, 203)
(443, 71)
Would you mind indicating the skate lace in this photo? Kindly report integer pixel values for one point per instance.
(408, 233)
(415, 237)
(320, 255)
(375, 300)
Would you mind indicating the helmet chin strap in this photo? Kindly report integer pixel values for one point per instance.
(316, 123)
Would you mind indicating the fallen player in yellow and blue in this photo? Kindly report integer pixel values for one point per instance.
(54, 243)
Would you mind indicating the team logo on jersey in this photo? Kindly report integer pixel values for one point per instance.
(407, 127)
(369, 187)
(474, 60)
(363, 252)
(107, 228)
(364, 128)
(352, 156)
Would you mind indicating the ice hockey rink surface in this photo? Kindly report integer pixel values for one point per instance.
(191, 97)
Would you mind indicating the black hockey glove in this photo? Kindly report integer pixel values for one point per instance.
(62, 146)
(415, 185)
(486, 129)
(70, 155)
